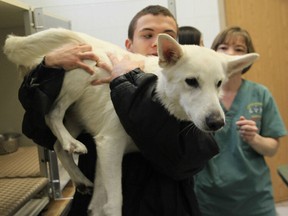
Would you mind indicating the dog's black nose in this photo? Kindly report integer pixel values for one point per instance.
(214, 122)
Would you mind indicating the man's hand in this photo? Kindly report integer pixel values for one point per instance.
(118, 68)
(71, 56)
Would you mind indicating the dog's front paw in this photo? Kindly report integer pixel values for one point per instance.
(74, 146)
(79, 148)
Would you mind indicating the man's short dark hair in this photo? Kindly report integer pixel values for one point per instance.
(151, 9)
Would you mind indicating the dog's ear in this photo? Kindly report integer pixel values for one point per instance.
(169, 51)
(236, 64)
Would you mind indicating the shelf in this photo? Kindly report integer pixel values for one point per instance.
(20, 181)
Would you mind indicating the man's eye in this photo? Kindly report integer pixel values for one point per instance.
(147, 36)
(172, 35)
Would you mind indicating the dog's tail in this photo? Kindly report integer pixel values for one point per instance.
(27, 51)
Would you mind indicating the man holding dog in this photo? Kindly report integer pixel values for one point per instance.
(159, 180)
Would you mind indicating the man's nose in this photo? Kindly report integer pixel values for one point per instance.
(154, 44)
(155, 49)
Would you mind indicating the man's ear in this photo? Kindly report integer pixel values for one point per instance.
(236, 64)
(169, 51)
(128, 45)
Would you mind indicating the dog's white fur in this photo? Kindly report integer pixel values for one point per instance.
(189, 86)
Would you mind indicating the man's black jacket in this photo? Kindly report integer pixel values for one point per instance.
(157, 182)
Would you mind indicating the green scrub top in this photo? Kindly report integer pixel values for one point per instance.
(237, 180)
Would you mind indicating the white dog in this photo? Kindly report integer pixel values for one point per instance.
(189, 86)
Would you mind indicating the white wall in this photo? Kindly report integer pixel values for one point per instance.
(202, 14)
(109, 19)
(105, 19)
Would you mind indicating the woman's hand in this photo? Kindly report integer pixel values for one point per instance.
(71, 56)
(248, 130)
(118, 67)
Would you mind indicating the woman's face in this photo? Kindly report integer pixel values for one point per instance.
(234, 45)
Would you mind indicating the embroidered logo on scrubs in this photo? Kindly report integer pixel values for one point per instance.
(255, 110)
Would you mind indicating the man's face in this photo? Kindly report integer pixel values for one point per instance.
(147, 29)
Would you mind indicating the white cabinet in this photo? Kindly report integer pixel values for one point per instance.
(21, 19)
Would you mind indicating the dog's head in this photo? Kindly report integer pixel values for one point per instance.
(191, 81)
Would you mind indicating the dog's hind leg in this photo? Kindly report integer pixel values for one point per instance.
(110, 151)
(83, 184)
(100, 199)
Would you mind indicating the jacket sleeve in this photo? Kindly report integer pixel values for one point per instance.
(176, 148)
(37, 93)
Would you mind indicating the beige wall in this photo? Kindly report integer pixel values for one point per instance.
(11, 112)
(267, 22)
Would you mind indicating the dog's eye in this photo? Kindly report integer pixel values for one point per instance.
(192, 82)
(219, 83)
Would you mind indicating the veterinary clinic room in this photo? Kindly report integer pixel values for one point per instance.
(230, 96)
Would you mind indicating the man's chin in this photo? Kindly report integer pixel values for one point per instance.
(152, 54)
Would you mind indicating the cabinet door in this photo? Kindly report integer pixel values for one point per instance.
(42, 21)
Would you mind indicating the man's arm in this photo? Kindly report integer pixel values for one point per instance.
(174, 147)
(71, 56)
(46, 79)
(37, 93)
(41, 87)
